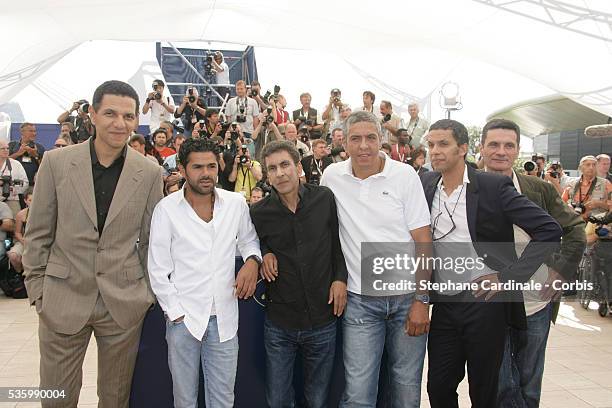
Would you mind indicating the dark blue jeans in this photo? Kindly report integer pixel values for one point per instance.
(521, 372)
(317, 346)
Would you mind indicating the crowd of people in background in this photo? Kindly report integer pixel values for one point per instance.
(338, 177)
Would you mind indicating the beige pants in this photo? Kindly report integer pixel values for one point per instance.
(62, 355)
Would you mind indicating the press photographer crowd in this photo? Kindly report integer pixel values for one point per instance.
(111, 221)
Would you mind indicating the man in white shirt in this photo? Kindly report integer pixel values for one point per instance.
(193, 239)
(160, 106)
(243, 109)
(379, 200)
(390, 122)
(12, 173)
(222, 74)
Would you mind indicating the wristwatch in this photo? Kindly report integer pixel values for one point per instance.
(255, 258)
(424, 298)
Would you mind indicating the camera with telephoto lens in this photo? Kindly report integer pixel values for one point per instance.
(579, 208)
(157, 96)
(83, 106)
(315, 178)
(269, 117)
(176, 125)
(275, 94)
(243, 158)
(234, 134)
(386, 118)
(202, 132)
(304, 135)
(241, 117)
(191, 94)
(555, 173)
(7, 182)
(254, 93)
(208, 67)
(335, 95)
(529, 166)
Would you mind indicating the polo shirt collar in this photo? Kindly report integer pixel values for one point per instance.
(348, 169)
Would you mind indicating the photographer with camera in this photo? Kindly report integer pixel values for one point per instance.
(390, 122)
(222, 76)
(13, 179)
(417, 126)
(555, 176)
(336, 148)
(401, 151)
(245, 173)
(278, 104)
(315, 164)
(331, 114)
(540, 162)
(26, 151)
(243, 110)
(590, 195)
(83, 128)
(309, 117)
(191, 110)
(266, 131)
(160, 106)
(255, 93)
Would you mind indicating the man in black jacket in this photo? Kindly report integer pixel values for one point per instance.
(315, 164)
(306, 278)
(477, 210)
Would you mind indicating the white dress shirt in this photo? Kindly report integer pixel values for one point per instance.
(533, 302)
(384, 207)
(456, 206)
(191, 261)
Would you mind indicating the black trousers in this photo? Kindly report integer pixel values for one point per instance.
(460, 333)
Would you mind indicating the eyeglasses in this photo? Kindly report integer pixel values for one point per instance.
(435, 225)
(60, 145)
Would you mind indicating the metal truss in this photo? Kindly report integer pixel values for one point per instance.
(581, 20)
(396, 94)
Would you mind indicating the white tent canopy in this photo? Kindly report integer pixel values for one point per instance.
(564, 46)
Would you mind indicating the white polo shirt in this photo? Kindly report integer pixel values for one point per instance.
(384, 207)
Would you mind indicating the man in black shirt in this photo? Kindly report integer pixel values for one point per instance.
(26, 151)
(105, 182)
(306, 278)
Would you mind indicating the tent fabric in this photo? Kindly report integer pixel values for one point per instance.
(37, 34)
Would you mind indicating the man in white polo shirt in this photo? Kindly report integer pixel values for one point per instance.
(379, 200)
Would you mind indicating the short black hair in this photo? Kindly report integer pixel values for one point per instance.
(280, 146)
(210, 112)
(159, 82)
(501, 124)
(118, 88)
(160, 130)
(370, 94)
(460, 133)
(196, 145)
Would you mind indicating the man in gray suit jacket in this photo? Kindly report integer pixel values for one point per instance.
(86, 250)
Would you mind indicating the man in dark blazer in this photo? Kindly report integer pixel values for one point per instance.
(477, 209)
(312, 122)
(520, 379)
(86, 251)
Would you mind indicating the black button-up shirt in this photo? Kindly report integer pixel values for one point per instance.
(105, 181)
(307, 248)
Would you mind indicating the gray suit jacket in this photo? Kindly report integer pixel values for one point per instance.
(67, 263)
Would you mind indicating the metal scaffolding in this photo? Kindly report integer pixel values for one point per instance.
(574, 18)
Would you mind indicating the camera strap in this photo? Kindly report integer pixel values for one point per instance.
(415, 126)
(578, 189)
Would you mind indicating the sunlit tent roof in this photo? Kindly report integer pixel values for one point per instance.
(560, 47)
